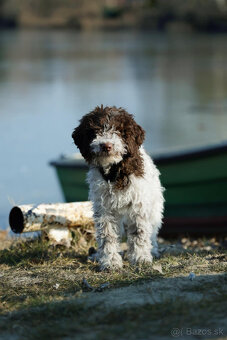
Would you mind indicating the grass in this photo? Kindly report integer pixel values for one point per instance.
(42, 293)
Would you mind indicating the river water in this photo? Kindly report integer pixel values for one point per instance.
(175, 85)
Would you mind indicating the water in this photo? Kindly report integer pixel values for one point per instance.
(175, 85)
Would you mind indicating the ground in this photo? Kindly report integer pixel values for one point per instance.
(51, 292)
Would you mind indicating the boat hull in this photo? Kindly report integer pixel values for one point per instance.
(195, 183)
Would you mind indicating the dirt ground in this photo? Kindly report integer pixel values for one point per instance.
(57, 293)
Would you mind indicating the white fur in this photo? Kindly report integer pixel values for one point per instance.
(119, 149)
(138, 207)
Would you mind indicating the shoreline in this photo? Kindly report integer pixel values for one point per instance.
(43, 293)
(157, 15)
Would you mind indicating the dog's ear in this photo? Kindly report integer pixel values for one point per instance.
(139, 134)
(80, 137)
(83, 135)
(135, 137)
(77, 136)
(131, 132)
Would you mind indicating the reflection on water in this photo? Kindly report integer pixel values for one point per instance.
(175, 85)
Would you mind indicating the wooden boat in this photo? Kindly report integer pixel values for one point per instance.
(195, 182)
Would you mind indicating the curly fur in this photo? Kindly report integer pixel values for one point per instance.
(124, 185)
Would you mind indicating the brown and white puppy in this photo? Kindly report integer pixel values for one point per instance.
(123, 182)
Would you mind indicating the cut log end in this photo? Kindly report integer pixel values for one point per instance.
(16, 220)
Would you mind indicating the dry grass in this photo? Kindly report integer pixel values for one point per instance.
(43, 294)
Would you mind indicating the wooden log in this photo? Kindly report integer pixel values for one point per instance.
(55, 219)
(30, 218)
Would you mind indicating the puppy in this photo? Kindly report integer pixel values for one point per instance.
(124, 185)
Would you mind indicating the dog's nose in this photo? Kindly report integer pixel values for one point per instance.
(106, 146)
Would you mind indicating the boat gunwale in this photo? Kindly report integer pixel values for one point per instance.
(69, 164)
(159, 159)
(190, 154)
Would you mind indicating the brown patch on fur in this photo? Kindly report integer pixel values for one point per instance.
(90, 124)
(130, 132)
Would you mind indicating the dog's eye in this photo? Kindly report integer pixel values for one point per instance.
(98, 131)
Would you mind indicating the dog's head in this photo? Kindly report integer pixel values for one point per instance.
(106, 135)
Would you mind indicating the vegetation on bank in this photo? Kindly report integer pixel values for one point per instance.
(48, 291)
(172, 15)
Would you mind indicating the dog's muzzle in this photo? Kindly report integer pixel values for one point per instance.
(106, 147)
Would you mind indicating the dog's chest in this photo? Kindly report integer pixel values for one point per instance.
(114, 199)
(104, 192)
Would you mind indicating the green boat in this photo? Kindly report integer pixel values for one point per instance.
(195, 182)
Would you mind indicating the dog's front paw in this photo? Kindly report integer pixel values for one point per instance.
(113, 262)
(140, 258)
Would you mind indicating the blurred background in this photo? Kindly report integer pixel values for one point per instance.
(163, 61)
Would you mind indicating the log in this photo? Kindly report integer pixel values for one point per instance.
(55, 219)
(30, 218)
